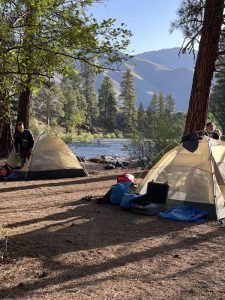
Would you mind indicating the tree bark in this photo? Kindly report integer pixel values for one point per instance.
(6, 142)
(5, 130)
(205, 66)
(23, 114)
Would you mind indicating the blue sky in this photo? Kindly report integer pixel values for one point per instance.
(149, 20)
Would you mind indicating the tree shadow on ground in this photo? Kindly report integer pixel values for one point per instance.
(72, 272)
(57, 182)
(90, 226)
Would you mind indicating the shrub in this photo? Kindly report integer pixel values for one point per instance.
(149, 151)
(118, 134)
(110, 135)
(35, 127)
(72, 137)
(98, 136)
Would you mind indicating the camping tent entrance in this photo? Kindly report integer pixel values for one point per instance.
(188, 186)
(194, 178)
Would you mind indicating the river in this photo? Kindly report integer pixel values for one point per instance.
(97, 147)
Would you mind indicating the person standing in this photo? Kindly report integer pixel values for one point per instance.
(23, 142)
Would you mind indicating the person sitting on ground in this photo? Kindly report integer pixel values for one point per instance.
(23, 143)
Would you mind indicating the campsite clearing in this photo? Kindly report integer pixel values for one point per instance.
(61, 246)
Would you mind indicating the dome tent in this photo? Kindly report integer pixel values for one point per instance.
(50, 158)
(195, 178)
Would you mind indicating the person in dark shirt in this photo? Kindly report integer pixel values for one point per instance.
(23, 142)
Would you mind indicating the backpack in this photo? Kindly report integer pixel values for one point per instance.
(118, 191)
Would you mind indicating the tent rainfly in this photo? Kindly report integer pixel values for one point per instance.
(195, 178)
(50, 158)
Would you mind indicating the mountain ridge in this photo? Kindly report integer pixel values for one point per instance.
(157, 71)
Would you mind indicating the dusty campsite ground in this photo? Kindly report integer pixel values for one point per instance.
(61, 246)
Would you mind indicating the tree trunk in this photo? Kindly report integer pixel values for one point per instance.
(5, 130)
(23, 114)
(205, 66)
(5, 139)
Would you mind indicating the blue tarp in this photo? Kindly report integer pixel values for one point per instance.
(185, 213)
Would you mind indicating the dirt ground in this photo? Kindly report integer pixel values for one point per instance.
(61, 246)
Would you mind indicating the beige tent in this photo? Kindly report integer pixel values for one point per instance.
(195, 178)
(50, 158)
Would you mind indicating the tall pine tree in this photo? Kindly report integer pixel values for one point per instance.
(152, 114)
(128, 96)
(217, 99)
(48, 104)
(141, 119)
(88, 74)
(161, 100)
(73, 114)
(170, 104)
(202, 19)
(153, 107)
(107, 104)
(76, 83)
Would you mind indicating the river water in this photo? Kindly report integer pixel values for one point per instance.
(95, 148)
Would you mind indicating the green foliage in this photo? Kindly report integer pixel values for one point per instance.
(217, 100)
(161, 105)
(48, 104)
(107, 104)
(88, 73)
(162, 130)
(118, 134)
(189, 21)
(128, 96)
(40, 38)
(51, 33)
(153, 107)
(73, 115)
(35, 127)
(141, 149)
(110, 135)
(141, 118)
(160, 110)
(38, 127)
(72, 137)
(170, 104)
(98, 135)
(84, 136)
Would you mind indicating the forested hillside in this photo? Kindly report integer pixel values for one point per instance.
(158, 71)
(117, 102)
